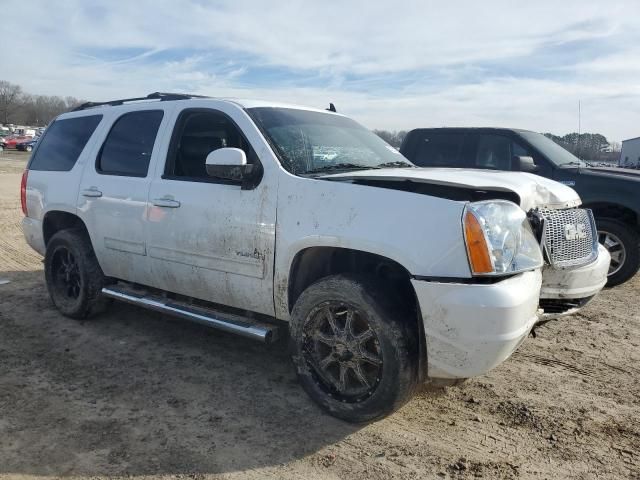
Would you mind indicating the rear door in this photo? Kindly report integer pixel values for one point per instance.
(112, 200)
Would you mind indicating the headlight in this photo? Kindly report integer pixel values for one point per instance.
(499, 239)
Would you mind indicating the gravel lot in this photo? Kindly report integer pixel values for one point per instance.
(134, 393)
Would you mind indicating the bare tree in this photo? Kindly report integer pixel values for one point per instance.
(9, 99)
(616, 147)
(393, 138)
(26, 109)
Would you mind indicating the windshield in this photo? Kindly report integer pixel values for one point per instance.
(550, 149)
(310, 143)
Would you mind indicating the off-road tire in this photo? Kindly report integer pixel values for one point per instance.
(629, 238)
(91, 279)
(396, 345)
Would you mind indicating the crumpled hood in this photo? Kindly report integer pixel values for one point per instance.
(533, 190)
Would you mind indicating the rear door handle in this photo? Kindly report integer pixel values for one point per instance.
(91, 192)
(166, 202)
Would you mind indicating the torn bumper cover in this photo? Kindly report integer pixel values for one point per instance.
(578, 283)
(472, 328)
(566, 291)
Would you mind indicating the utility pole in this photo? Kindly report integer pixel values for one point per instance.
(579, 130)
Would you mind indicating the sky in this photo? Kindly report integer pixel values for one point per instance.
(392, 65)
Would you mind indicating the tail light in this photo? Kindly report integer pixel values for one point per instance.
(23, 192)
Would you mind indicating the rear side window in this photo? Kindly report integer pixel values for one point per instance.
(63, 141)
(128, 147)
(439, 150)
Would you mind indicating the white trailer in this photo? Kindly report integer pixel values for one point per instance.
(630, 154)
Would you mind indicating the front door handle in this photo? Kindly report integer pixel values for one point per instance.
(91, 192)
(166, 202)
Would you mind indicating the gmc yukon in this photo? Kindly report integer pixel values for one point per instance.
(247, 216)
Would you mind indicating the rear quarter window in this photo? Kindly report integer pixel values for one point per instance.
(62, 143)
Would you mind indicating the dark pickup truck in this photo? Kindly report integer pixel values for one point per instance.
(612, 193)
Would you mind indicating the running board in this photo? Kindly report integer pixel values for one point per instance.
(226, 322)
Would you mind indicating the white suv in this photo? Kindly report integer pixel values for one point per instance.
(243, 215)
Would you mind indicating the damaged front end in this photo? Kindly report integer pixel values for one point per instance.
(576, 265)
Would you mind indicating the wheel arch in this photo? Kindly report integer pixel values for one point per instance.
(56, 220)
(614, 211)
(310, 264)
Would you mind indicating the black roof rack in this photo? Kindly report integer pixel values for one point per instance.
(161, 96)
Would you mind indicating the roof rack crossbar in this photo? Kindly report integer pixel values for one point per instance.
(161, 96)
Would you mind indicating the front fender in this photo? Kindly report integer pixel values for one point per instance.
(422, 233)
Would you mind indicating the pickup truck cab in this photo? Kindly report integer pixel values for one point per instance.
(613, 194)
(244, 215)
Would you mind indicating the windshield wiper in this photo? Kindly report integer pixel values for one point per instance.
(397, 163)
(340, 166)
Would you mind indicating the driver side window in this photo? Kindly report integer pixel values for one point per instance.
(197, 133)
(493, 152)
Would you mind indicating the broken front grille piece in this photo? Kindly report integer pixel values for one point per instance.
(569, 237)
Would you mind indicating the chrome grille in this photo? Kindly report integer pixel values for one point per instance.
(569, 237)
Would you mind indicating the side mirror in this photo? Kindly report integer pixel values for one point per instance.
(227, 163)
(525, 164)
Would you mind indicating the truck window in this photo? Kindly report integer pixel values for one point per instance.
(129, 145)
(315, 143)
(493, 152)
(63, 142)
(439, 150)
(197, 133)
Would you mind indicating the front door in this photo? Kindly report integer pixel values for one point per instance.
(211, 238)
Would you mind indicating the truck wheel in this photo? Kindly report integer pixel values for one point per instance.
(74, 277)
(355, 354)
(622, 242)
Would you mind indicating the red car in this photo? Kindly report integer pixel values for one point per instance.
(10, 142)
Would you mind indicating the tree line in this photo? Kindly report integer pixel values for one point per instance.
(588, 146)
(21, 108)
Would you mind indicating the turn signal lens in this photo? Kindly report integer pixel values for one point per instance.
(477, 249)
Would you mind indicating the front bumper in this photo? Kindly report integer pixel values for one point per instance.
(566, 291)
(472, 328)
(579, 283)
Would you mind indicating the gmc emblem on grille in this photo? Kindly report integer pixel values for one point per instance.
(576, 231)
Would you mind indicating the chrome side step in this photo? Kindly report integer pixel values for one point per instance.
(227, 322)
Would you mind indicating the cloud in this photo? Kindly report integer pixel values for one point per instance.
(391, 65)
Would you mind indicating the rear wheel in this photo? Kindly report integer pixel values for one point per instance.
(28, 148)
(355, 354)
(74, 277)
(622, 242)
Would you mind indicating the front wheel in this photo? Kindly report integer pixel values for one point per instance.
(28, 148)
(355, 355)
(622, 242)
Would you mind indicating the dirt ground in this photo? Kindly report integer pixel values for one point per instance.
(134, 393)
